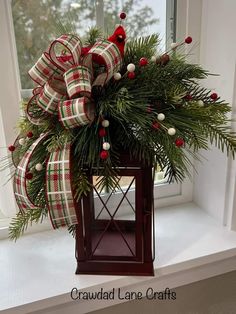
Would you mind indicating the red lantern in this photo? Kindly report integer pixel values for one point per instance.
(108, 239)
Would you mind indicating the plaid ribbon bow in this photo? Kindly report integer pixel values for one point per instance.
(66, 80)
(64, 88)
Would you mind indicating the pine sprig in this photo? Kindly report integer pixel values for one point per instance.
(222, 137)
(22, 221)
(139, 47)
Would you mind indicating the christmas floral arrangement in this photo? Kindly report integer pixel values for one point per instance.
(96, 99)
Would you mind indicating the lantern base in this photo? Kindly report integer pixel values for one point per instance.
(115, 268)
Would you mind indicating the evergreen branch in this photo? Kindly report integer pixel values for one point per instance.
(20, 223)
(222, 137)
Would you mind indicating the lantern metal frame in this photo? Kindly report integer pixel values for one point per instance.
(118, 246)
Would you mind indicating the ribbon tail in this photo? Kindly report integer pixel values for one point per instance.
(60, 198)
(19, 182)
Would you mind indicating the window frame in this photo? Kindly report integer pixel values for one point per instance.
(165, 194)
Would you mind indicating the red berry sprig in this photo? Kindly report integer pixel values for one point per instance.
(188, 40)
(156, 125)
(102, 132)
(30, 134)
(179, 142)
(11, 148)
(122, 15)
(104, 154)
(214, 96)
(143, 62)
(188, 97)
(29, 176)
(131, 75)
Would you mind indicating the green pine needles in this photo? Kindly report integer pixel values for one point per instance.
(191, 117)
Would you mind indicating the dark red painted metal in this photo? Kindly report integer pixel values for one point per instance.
(113, 246)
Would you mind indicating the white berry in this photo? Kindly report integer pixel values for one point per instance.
(153, 58)
(161, 116)
(200, 103)
(131, 67)
(173, 45)
(106, 146)
(39, 167)
(171, 131)
(22, 141)
(117, 76)
(105, 123)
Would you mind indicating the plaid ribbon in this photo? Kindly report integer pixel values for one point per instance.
(70, 43)
(76, 112)
(53, 72)
(65, 84)
(111, 56)
(19, 182)
(78, 81)
(43, 69)
(59, 191)
(51, 94)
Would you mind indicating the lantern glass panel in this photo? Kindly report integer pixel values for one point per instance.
(113, 223)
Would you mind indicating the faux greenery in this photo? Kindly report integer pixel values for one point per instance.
(132, 106)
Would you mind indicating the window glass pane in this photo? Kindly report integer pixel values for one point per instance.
(36, 22)
(144, 17)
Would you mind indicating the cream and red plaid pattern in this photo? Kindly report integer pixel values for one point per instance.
(49, 98)
(69, 42)
(78, 81)
(43, 69)
(59, 192)
(19, 182)
(73, 113)
(111, 57)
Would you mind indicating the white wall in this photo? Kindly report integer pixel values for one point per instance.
(218, 55)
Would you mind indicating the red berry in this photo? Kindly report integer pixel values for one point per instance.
(123, 15)
(30, 134)
(188, 40)
(156, 125)
(143, 62)
(11, 148)
(214, 96)
(131, 75)
(102, 132)
(104, 154)
(29, 176)
(188, 97)
(179, 142)
(149, 108)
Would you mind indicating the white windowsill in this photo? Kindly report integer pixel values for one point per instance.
(37, 272)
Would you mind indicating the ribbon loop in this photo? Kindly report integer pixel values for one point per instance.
(69, 43)
(109, 54)
(53, 91)
(78, 81)
(43, 69)
(36, 118)
(75, 112)
(19, 183)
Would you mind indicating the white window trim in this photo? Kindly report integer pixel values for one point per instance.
(9, 102)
